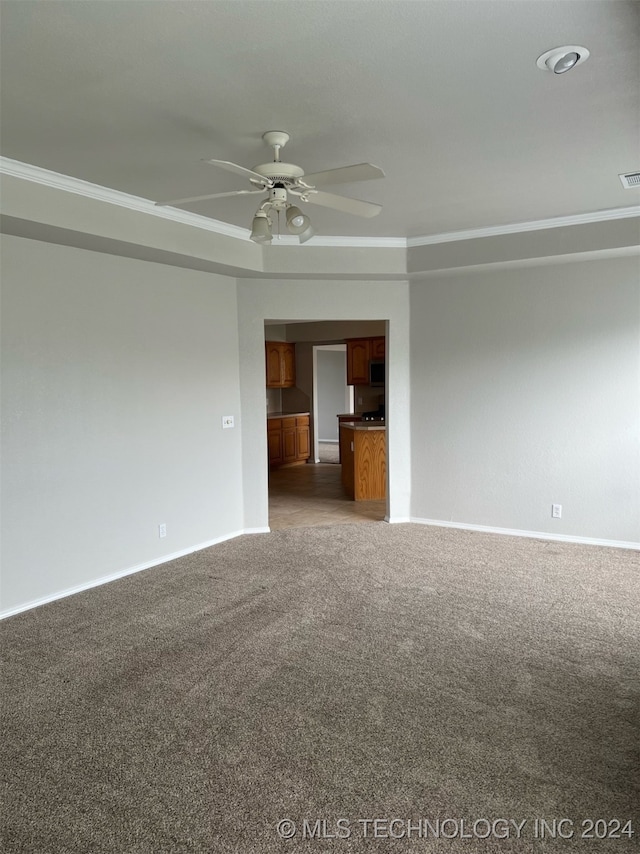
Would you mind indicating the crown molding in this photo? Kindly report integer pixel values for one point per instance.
(46, 177)
(518, 227)
(116, 197)
(519, 263)
(353, 242)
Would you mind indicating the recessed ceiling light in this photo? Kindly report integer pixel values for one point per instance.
(561, 59)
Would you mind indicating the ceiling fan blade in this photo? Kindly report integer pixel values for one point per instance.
(240, 170)
(174, 202)
(341, 203)
(344, 175)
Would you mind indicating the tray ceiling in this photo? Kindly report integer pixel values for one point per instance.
(444, 96)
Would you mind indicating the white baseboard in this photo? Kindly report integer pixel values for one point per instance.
(394, 520)
(537, 535)
(105, 579)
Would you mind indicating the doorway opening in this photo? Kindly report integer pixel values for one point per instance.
(332, 398)
(310, 491)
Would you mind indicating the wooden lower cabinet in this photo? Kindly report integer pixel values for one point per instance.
(364, 463)
(288, 440)
(274, 441)
(304, 440)
(289, 443)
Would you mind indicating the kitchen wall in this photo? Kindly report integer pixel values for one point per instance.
(367, 398)
(525, 392)
(332, 331)
(274, 399)
(116, 375)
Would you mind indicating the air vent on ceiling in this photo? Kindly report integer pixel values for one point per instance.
(630, 180)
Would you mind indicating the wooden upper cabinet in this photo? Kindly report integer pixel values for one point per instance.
(378, 348)
(273, 364)
(281, 364)
(288, 366)
(358, 356)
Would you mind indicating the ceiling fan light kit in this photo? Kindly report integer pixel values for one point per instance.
(297, 222)
(261, 228)
(280, 180)
(306, 235)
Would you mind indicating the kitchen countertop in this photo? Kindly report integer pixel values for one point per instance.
(364, 425)
(284, 414)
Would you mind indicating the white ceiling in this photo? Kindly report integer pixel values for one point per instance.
(444, 96)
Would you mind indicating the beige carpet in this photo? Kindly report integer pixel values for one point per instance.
(339, 674)
(329, 452)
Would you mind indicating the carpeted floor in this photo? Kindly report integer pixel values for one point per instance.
(329, 452)
(339, 675)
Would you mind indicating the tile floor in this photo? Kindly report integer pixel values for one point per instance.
(312, 494)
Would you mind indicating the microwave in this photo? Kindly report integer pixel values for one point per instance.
(376, 372)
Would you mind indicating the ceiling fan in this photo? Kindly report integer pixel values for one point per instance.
(280, 180)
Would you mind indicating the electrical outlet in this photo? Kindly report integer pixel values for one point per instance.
(162, 530)
(556, 511)
(227, 421)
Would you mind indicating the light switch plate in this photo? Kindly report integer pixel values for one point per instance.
(227, 422)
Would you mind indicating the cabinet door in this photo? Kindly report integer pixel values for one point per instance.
(288, 366)
(273, 359)
(274, 440)
(377, 348)
(281, 364)
(358, 355)
(303, 443)
(289, 444)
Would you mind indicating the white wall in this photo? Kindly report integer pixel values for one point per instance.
(298, 300)
(526, 392)
(521, 388)
(116, 374)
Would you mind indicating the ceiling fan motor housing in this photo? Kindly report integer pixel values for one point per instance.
(278, 197)
(280, 173)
